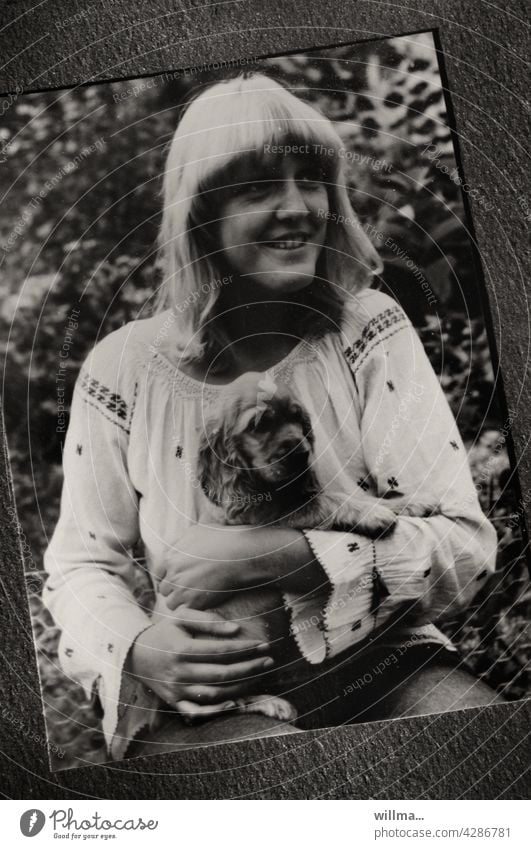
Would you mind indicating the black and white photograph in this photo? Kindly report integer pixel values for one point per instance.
(260, 447)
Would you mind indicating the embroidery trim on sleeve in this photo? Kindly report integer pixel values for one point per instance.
(109, 404)
(379, 328)
(380, 590)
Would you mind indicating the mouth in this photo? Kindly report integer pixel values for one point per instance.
(288, 242)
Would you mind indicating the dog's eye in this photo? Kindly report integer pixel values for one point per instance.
(296, 412)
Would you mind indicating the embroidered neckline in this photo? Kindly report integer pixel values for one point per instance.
(303, 351)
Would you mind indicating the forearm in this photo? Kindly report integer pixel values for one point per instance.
(98, 617)
(212, 564)
(283, 557)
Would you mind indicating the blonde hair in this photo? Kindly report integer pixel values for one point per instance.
(225, 123)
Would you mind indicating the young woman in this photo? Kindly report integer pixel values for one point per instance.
(265, 269)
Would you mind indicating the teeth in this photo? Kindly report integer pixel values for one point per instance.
(288, 244)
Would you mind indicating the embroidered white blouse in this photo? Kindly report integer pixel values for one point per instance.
(381, 424)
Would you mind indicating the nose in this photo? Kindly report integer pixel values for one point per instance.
(290, 201)
(293, 449)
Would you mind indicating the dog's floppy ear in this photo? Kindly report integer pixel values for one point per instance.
(211, 462)
(223, 470)
(307, 425)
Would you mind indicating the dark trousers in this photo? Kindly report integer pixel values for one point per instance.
(382, 683)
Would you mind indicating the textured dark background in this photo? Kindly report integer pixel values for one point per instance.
(473, 754)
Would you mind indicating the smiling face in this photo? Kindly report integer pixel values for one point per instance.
(273, 223)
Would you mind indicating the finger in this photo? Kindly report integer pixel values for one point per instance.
(207, 695)
(160, 573)
(166, 586)
(221, 628)
(198, 600)
(205, 622)
(201, 599)
(217, 673)
(173, 601)
(222, 651)
(167, 693)
(191, 710)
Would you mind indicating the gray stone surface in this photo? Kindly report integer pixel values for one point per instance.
(471, 754)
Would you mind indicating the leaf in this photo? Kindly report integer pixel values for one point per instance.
(440, 275)
(448, 228)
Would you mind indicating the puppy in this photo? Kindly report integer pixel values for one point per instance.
(256, 466)
(255, 462)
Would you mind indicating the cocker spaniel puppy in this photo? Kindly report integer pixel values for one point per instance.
(256, 464)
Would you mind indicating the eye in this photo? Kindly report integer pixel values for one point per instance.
(257, 188)
(311, 174)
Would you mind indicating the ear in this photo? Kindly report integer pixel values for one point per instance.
(307, 426)
(223, 470)
(215, 445)
(211, 462)
(237, 483)
(312, 487)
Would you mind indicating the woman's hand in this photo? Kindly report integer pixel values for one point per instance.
(197, 658)
(211, 564)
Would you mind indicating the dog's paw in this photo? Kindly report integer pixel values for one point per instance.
(272, 706)
(379, 521)
(192, 713)
(421, 509)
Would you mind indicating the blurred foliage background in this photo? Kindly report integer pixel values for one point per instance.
(81, 176)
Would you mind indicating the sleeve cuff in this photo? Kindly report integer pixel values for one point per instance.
(363, 594)
(125, 702)
(349, 614)
(130, 707)
(307, 625)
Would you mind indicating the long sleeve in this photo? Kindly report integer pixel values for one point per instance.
(89, 590)
(427, 568)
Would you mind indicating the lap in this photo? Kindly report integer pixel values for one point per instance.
(382, 684)
(428, 685)
(423, 679)
(174, 735)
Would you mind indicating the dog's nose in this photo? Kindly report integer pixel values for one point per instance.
(292, 446)
(296, 456)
